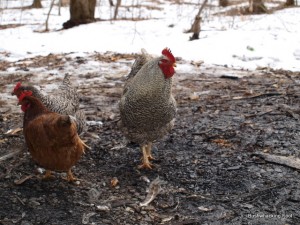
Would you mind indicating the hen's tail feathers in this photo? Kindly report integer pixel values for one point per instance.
(66, 80)
(80, 122)
(85, 145)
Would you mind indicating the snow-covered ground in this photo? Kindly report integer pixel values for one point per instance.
(271, 40)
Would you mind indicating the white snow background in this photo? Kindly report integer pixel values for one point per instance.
(268, 40)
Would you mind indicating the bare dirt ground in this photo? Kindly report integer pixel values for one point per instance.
(208, 166)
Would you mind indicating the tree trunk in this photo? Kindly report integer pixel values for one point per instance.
(196, 28)
(257, 7)
(117, 9)
(81, 12)
(36, 4)
(290, 3)
(223, 3)
(196, 25)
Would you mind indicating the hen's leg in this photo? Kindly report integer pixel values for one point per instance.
(70, 176)
(148, 151)
(145, 159)
(48, 175)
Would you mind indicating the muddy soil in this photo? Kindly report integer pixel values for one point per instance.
(208, 169)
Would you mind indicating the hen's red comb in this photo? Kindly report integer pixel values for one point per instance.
(167, 52)
(18, 85)
(24, 94)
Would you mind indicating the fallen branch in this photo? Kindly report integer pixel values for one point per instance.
(289, 161)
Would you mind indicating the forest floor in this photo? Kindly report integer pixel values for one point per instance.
(208, 170)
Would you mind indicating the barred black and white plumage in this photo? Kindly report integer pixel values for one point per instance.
(147, 107)
(65, 101)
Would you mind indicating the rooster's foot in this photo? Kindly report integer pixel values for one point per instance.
(147, 152)
(150, 157)
(146, 165)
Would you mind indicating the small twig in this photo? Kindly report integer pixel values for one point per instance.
(259, 114)
(20, 200)
(289, 161)
(9, 155)
(257, 96)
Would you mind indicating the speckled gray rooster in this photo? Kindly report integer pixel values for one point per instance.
(65, 101)
(147, 107)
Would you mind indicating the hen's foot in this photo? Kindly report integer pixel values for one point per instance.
(70, 177)
(48, 175)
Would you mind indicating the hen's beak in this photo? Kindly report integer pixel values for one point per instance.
(174, 64)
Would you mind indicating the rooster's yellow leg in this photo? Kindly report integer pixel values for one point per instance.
(148, 151)
(48, 175)
(146, 164)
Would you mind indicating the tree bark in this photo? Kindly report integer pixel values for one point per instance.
(196, 25)
(290, 3)
(223, 3)
(36, 4)
(81, 12)
(117, 9)
(257, 7)
(196, 28)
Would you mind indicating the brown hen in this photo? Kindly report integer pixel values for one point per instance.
(51, 138)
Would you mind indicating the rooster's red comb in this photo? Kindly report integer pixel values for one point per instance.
(18, 85)
(24, 94)
(167, 52)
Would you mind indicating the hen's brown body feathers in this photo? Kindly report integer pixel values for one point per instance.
(51, 138)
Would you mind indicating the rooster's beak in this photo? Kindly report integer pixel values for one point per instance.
(174, 64)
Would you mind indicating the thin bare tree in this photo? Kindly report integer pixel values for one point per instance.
(196, 26)
(117, 9)
(48, 15)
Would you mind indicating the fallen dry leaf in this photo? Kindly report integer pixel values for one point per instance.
(114, 182)
(222, 142)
